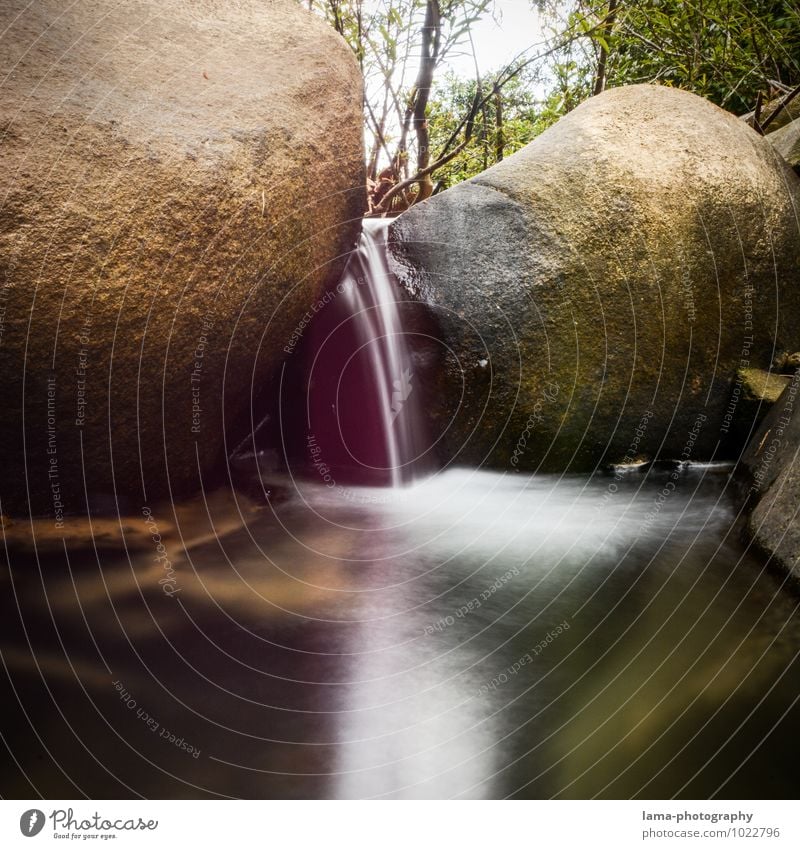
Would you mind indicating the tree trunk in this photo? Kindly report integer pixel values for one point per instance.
(499, 139)
(431, 39)
(602, 61)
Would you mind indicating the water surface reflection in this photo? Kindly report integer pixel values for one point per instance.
(476, 635)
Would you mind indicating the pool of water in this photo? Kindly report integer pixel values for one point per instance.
(477, 635)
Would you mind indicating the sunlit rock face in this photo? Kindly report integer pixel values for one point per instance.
(597, 292)
(179, 181)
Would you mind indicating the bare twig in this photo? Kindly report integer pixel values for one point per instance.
(779, 86)
(380, 140)
(757, 115)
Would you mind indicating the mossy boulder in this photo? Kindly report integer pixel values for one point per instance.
(179, 182)
(777, 115)
(754, 393)
(597, 292)
(786, 141)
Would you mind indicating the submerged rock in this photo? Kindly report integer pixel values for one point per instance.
(615, 274)
(178, 182)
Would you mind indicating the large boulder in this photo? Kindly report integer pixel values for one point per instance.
(179, 181)
(597, 293)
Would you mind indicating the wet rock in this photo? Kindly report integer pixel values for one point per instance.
(770, 476)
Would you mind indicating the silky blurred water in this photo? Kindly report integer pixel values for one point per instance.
(477, 635)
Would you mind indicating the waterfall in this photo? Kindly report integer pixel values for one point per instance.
(364, 409)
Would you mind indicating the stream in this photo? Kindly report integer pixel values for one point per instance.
(476, 635)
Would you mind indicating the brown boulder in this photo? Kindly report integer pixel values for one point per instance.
(179, 181)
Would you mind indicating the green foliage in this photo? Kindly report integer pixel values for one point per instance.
(493, 136)
(724, 50)
(728, 51)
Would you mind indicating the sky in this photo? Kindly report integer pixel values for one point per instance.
(497, 42)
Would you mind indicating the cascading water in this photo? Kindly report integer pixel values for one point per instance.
(363, 409)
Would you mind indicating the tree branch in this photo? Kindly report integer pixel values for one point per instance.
(418, 177)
